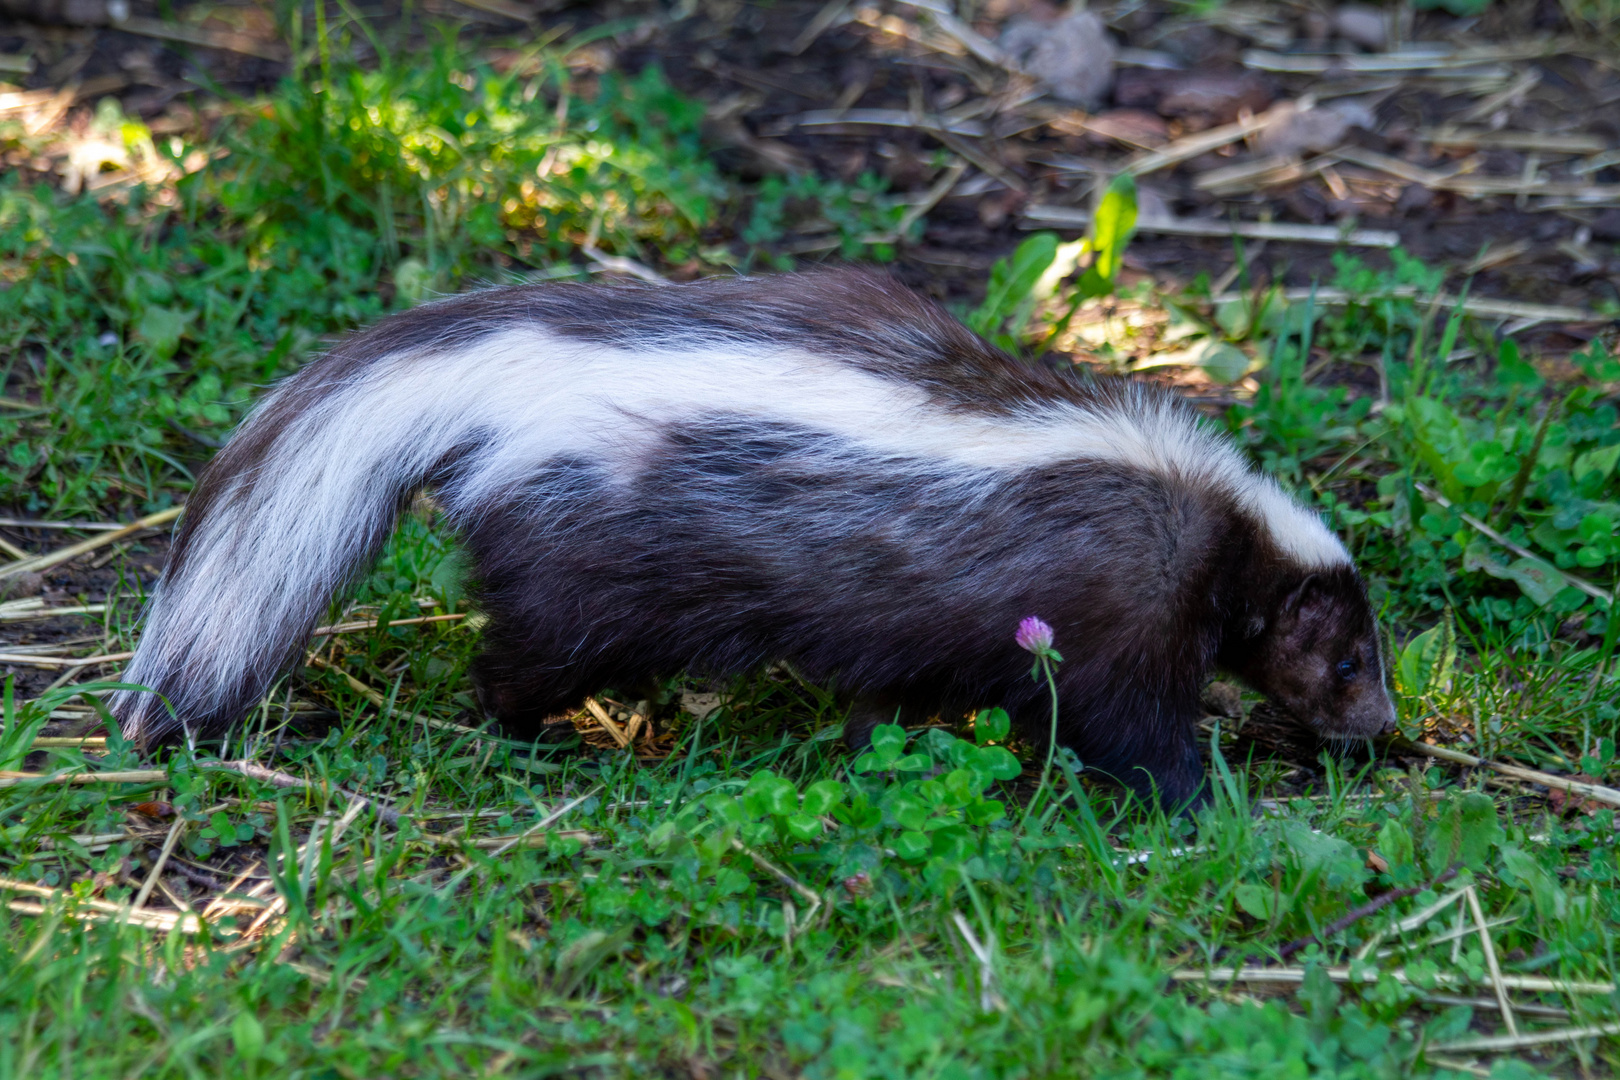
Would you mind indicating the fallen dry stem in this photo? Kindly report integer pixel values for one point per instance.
(157, 866)
(607, 722)
(275, 778)
(1489, 947)
(1534, 776)
(128, 776)
(1530, 983)
(99, 910)
(1494, 1043)
(1518, 549)
(1355, 915)
(30, 660)
(73, 551)
(367, 624)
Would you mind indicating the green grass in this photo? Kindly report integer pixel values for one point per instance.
(757, 903)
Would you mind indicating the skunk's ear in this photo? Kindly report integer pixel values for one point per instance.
(1306, 591)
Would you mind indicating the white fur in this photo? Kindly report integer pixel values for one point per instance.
(526, 397)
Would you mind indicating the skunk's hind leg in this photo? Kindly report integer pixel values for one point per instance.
(528, 694)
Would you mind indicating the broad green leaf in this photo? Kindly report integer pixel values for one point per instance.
(1511, 370)
(726, 809)
(1536, 579)
(1597, 363)
(1426, 663)
(1012, 281)
(247, 1033)
(953, 843)
(162, 328)
(1596, 528)
(1222, 361)
(991, 725)
(888, 740)
(822, 796)
(730, 880)
(913, 846)
(1003, 766)
(1259, 901)
(1339, 865)
(802, 827)
(768, 793)
(1601, 461)
(869, 763)
(1545, 894)
(914, 763)
(1395, 844)
(908, 811)
(1112, 225)
(413, 282)
(1464, 830)
(985, 812)
(962, 785)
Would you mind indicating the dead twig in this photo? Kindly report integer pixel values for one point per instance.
(1580, 583)
(989, 1000)
(1489, 948)
(1356, 914)
(1203, 142)
(73, 551)
(607, 722)
(206, 37)
(130, 776)
(1342, 974)
(818, 25)
(254, 771)
(810, 896)
(29, 660)
(1076, 217)
(1480, 306)
(1493, 1043)
(97, 910)
(157, 866)
(886, 118)
(34, 608)
(1478, 187)
(367, 624)
(620, 264)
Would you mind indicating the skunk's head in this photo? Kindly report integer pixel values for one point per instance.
(1316, 654)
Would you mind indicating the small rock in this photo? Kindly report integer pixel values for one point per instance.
(1357, 112)
(18, 586)
(1223, 699)
(1310, 130)
(1607, 226)
(1414, 197)
(1364, 26)
(1073, 56)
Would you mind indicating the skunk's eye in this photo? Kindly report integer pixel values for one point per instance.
(1347, 669)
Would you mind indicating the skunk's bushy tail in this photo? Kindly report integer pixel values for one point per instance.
(295, 505)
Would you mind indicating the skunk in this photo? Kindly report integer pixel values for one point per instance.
(824, 468)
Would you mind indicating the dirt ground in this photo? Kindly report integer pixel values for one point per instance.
(1485, 144)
